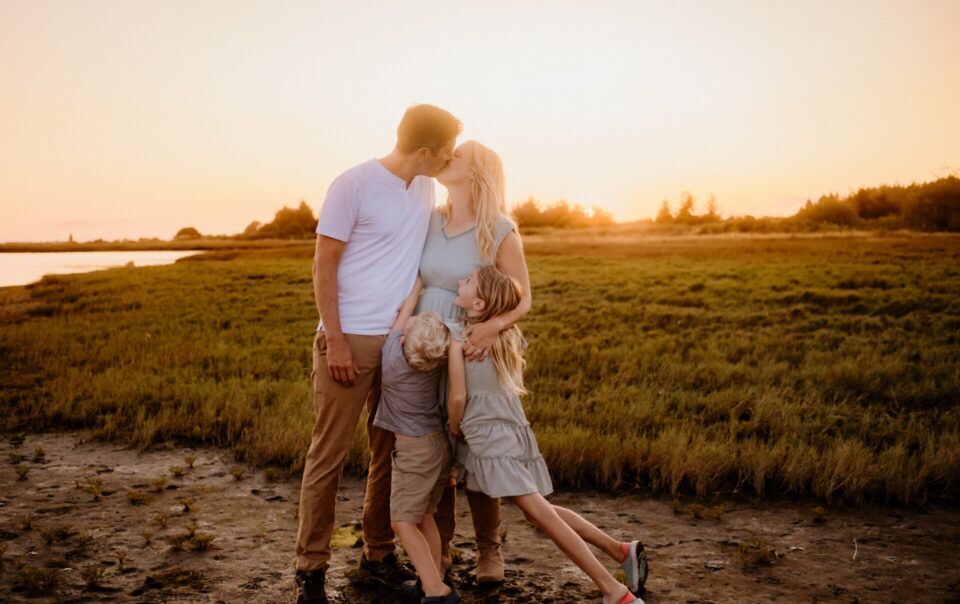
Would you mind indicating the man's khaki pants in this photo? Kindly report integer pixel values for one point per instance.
(338, 408)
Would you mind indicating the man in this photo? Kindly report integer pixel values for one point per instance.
(370, 235)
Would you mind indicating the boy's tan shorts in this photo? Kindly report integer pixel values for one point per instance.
(421, 465)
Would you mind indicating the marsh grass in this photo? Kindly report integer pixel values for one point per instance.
(95, 487)
(822, 367)
(137, 497)
(92, 575)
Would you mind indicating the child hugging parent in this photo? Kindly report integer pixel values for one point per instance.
(472, 270)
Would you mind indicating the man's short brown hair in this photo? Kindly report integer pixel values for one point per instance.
(426, 126)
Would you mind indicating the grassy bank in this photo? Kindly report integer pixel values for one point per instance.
(825, 367)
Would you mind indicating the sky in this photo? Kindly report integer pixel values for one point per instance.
(128, 119)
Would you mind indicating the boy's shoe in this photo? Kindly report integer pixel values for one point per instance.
(311, 586)
(635, 567)
(412, 590)
(389, 571)
(451, 598)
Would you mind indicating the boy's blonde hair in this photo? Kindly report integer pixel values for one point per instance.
(425, 341)
(501, 293)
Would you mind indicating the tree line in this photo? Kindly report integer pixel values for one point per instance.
(931, 206)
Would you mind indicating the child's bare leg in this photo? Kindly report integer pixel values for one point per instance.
(418, 549)
(591, 534)
(428, 528)
(539, 511)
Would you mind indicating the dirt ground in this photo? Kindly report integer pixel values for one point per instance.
(55, 534)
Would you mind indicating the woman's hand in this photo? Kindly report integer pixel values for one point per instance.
(454, 426)
(480, 337)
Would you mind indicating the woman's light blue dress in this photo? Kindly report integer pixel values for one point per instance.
(500, 457)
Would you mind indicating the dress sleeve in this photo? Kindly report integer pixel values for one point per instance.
(504, 226)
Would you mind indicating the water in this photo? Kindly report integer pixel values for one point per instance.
(20, 268)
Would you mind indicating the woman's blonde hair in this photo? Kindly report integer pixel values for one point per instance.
(501, 293)
(488, 192)
(425, 341)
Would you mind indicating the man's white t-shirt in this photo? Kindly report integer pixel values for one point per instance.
(384, 225)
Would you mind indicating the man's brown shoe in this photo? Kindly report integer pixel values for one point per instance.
(389, 571)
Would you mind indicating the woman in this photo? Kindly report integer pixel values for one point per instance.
(471, 231)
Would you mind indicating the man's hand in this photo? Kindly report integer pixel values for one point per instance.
(340, 363)
(454, 426)
(480, 337)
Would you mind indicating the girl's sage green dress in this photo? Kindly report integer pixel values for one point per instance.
(500, 456)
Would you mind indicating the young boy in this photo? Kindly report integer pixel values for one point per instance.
(410, 408)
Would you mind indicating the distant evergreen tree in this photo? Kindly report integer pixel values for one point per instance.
(664, 216)
(685, 211)
(712, 214)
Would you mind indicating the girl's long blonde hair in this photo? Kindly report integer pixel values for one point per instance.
(488, 192)
(501, 294)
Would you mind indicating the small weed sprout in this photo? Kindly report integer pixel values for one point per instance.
(22, 471)
(190, 459)
(178, 540)
(39, 454)
(24, 522)
(192, 527)
(187, 502)
(157, 485)
(176, 471)
(758, 552)
(83, 539)
(95, 486)
(136, 497)
(59, 532)
(92, 575)
(237, 472)
(121, 555)
(271, 474)
(147, 537)
(201, 541)
(819, 515)
(16, 458)
(161, 519)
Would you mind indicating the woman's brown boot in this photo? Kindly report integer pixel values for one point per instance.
(486, 524)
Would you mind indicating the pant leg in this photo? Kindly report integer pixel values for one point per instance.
(378, 537)
(446, 516)
(338, 408)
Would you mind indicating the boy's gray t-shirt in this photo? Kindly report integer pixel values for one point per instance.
(409, 399)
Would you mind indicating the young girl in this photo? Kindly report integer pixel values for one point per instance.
(501, 457)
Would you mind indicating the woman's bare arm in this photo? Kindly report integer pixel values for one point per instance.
(511, 261)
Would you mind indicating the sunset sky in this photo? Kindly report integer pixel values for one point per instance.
(133, 119)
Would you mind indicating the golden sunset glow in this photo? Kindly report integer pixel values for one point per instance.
(133, 119)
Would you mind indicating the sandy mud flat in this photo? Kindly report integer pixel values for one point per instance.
(99, 522)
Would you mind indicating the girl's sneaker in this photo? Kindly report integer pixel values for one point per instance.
(635, 566)
(628, 598)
